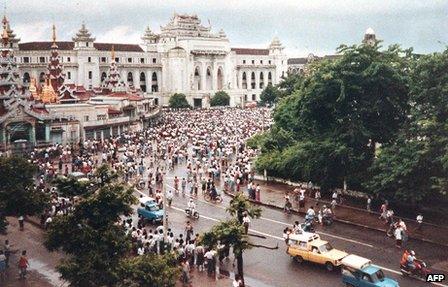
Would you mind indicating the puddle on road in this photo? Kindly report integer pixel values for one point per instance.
(46, 272)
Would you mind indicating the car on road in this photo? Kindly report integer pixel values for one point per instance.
(315, 250)
(360, 272)
(149, 210)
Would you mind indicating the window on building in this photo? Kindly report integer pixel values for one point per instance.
(100, 117)
(261, 61)
(253, 61)
(117, 60)
(269, 62)
(244, 61)
(154, 60)
(103, 60)
(26, 59)
(254, 97)
(90, 75)
(89, 59)
(68, 59)
(41, 59)
(87, 44)
(86, 118)
(142, 60)
(129, 60)
(69, 75)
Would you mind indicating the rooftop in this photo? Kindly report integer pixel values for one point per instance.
(69, 45)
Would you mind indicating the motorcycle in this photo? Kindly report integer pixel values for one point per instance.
(195, 213)
(217, 199)
(327, 220)
(420, 272)
(308, 226)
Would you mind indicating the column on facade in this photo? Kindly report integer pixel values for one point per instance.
(47, 132)
(257, 80)
(136, 78)
(32, 134)
(203, 76)
(214, 76)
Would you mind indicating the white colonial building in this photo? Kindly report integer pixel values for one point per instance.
(186, 57)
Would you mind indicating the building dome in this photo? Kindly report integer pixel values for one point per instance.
(370, 31)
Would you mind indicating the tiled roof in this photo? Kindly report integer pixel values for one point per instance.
(66, 45)
(292, 61)
(112, 111)
(250, 51)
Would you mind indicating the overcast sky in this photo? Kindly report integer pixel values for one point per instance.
(303, 26)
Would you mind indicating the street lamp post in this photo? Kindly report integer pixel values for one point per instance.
(165, 220)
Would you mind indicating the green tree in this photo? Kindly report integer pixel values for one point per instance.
(105, 174)
(178, 101)
(96, 244)
(414, 166)
(221, 98)
(340, 111)
(269, 95)
(68, 187)
(17, 193)
(148, 270)
(289, 84)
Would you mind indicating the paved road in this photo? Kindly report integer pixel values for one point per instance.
(275, 268)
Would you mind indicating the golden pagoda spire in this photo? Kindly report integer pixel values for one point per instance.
(112, 53)
(5, 36)
(54, 45)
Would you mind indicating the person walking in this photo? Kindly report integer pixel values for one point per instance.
(246, 222)
(21, 222)
(398, 236)
(23, 265)
(419, 222)
(2, 265)
(369, 204)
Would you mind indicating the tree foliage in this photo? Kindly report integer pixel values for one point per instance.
(221, 98)
(17, 193)
(90, 235)
(328, 127)
(148, 270)
(414, 166)
(269, 95)
(178, 101)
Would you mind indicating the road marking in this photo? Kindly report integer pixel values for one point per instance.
(288, 224)
(323, 233)
(281, 239)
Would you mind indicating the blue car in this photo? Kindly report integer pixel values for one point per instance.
(149, 210)
(359, 272)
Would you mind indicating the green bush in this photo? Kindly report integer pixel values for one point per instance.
(221, 98)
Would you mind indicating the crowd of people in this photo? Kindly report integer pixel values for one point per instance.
(208, 146)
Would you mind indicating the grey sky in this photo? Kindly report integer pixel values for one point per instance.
(303, 26)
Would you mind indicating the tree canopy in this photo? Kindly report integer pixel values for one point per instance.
(178, 101)
(221, 98)
(269, 95)
(17, 193)
(374, 118)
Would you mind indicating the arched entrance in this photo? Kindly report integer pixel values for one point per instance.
(154, 83)
(220, 79)
(208, 79)
(197, 79)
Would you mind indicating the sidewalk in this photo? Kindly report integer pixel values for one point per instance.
(201, 279)
(42, 271)
(272, 195)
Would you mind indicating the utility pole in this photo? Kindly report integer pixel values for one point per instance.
(165, 220)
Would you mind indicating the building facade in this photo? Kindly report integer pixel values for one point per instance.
(185, 57)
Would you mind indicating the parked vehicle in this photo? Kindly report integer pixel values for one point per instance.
(359, 272)
(149, 210)
(315, 250)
